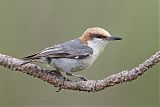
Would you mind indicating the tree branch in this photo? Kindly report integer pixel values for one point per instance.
(88, 86)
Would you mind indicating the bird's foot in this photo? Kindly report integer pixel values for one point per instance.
(83, 78)
(57, 73)
(79, 76)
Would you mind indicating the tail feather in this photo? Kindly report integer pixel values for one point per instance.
(31, 57)
(24, 63)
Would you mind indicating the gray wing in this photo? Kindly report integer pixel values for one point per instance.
(73, 49)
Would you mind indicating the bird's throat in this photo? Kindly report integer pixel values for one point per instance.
(97, 47)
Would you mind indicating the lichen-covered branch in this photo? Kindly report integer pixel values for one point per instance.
(88, 86)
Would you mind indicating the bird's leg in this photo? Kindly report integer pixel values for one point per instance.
(57, 73)
(79, 76)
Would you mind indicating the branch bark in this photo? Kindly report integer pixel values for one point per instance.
(88, 86)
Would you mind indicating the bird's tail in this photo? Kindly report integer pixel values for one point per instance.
(29, 59)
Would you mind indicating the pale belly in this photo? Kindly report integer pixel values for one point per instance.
(71, 65)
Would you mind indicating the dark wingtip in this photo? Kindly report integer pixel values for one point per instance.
(30, 57)
(24, 63)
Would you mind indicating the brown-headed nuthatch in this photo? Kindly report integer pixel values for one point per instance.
(74, 55)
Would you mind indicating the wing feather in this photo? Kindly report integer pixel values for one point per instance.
(73, 49)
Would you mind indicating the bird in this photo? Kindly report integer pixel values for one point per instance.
(76, 54)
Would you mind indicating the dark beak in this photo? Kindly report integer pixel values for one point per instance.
(115, 38)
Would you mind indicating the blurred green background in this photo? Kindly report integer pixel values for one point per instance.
(27, 26)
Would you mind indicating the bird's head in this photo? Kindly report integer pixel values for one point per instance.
(97, 37)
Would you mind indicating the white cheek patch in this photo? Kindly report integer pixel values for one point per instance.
(97, 45)
(99, 42)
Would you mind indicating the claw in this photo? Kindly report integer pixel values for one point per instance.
(57, 73)
(79, 76)
(83, 78)
(59, 89)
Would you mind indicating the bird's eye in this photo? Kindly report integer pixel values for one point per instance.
(98, 36)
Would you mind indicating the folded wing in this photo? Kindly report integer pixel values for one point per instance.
(73, 49)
